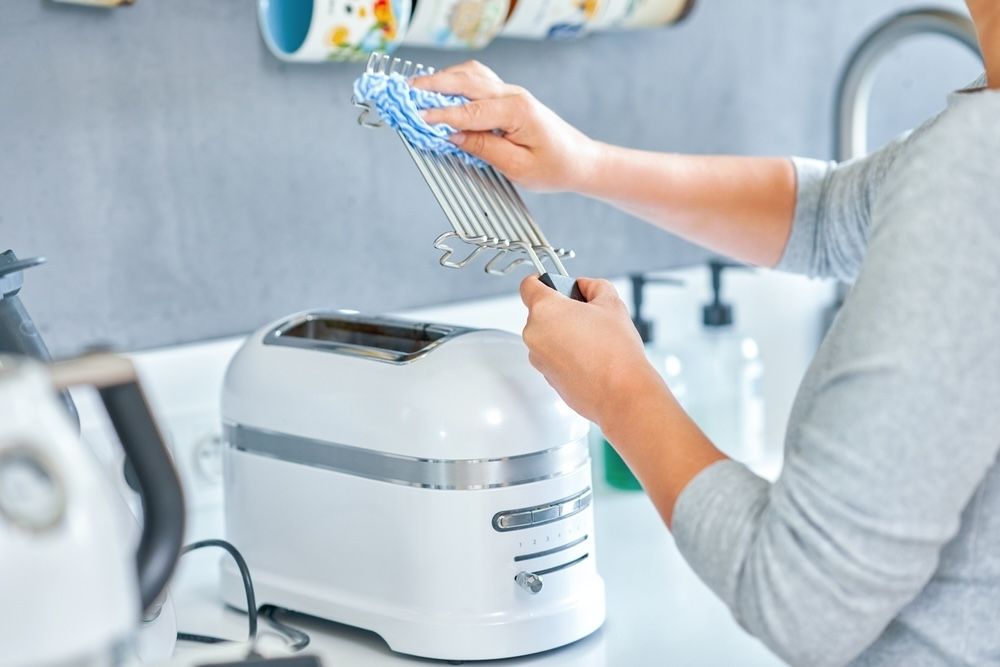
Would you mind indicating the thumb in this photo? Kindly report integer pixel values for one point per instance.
(533, 291)
(597, 290)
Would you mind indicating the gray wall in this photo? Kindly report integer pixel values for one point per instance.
(185, 184)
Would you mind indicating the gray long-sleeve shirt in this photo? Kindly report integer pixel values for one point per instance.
(880, 542)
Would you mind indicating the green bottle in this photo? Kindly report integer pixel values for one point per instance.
(616, 471)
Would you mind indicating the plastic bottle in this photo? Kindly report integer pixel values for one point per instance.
(724, 380)
(667, 362)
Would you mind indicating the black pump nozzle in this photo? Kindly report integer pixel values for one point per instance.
(639, 282)
(718, 313)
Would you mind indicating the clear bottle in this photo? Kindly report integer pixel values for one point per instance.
(666, 361)
(725, 380)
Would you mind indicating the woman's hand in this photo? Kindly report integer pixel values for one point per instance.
(535, 147)
(589, 352)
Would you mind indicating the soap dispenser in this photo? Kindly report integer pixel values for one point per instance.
(724, 378)
(666, 362)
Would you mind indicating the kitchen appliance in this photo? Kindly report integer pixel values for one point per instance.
(481, 204)
(18, 334)
(73, 585)
(418, 480)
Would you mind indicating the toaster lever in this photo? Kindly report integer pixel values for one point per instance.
(529, 581)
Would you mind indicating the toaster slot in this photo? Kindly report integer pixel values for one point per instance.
(378, 338)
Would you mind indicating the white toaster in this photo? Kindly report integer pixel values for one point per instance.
(421, 481)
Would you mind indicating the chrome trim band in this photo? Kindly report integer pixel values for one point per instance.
(539, 515)
(443, 474)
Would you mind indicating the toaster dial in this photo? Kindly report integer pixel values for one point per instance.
(529, 581)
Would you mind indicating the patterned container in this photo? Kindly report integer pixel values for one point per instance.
(324, 30)
(456, 24)
(654, 13)
(561, 19)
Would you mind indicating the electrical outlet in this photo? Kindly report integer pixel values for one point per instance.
(196, 442)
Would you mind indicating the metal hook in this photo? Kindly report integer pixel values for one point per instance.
(510, 266)
(445, 260)
(366, 116)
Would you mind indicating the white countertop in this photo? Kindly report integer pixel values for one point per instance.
(658, 613)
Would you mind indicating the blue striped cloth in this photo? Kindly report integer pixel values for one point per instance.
(398, 104)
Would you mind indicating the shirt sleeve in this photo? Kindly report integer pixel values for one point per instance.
(833, 213)
(895, 427)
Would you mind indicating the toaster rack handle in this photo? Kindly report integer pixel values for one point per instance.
(565, 285)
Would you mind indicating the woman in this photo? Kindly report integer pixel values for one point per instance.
(880, 542)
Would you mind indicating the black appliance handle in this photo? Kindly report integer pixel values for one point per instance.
(156, 478)
(565, 285)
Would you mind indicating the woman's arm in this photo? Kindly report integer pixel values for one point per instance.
(741, 207)
(802, 216)
(592, 355)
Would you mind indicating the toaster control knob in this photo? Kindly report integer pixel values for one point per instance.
(529, 581)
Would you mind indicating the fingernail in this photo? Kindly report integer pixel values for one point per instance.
(458, 138)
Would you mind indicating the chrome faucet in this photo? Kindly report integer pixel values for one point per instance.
(850, 132)
(855, 85)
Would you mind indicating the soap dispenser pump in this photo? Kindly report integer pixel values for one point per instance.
(616, 471)
(725, 376)
(718, 313)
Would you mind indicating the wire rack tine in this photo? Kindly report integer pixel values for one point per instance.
(491, 205)
(481, 224)
(458, 221)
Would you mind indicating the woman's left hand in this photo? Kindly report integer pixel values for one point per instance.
(589, 352)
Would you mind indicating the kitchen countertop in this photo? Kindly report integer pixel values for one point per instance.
(658, 613)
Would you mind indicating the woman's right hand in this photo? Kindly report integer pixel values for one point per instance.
(534, 147)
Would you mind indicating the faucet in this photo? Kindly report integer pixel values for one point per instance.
(850, 132)
(855, 85)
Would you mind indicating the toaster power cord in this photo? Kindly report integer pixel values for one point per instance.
(241, 564)
(297, 639)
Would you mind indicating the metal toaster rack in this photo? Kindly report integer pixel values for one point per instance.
(484, 209)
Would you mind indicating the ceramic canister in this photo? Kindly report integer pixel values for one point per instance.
(323, 30)
(610, 14)
(456, 24)
(555, 19)
(653, 13)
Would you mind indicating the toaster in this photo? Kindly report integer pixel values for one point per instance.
(418, 480)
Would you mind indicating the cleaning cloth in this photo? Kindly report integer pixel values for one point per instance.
(399, 105)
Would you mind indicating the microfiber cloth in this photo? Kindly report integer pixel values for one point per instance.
(399, 105)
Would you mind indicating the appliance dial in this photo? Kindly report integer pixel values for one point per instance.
(31, 493)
